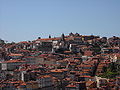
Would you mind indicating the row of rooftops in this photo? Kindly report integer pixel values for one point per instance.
(61, 70)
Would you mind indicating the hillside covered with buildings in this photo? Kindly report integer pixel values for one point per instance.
(68, 62)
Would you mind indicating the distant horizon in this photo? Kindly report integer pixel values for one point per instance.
(55, 37)
(24, 20)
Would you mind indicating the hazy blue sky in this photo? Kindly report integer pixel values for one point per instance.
(28, 19)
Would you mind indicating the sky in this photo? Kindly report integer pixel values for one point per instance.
(23, 20)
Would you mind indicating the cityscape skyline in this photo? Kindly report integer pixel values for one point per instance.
(27, 20)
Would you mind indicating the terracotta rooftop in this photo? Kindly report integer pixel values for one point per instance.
(44, 76)
(13, 61)
(59, 70)
(13, 54)
(85, 76)
(24, 42)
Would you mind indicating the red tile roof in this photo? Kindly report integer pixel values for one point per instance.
(13, 61)
(24, 42)
(13, 54)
